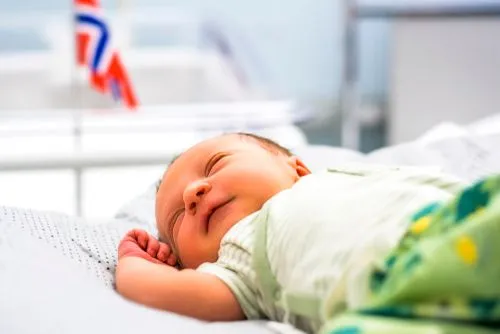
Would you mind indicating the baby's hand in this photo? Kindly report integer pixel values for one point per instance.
(140, 243)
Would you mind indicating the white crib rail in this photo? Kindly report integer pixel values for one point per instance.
(80, 161)
(169, 130)
(83, 160)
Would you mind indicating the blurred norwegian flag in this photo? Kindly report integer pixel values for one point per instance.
(94, 50)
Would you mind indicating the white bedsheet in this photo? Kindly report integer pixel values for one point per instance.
(43, 292)
(469, 152)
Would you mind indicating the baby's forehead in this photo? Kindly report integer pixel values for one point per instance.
(192, 157)
(200, 150)
(197, 155)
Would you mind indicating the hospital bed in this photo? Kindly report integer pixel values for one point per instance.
(56, 270)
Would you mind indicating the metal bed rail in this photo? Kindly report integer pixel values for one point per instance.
(78, 162)
(76, 125)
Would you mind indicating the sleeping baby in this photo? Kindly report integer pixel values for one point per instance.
(246, 231)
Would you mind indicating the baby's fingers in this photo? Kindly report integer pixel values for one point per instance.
(153, 247)
(163, 252)
(172, 260)
(166, 255)
(142, 238)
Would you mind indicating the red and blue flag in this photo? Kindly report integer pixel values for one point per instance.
(94, 50)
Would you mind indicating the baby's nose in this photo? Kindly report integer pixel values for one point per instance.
(193, 195)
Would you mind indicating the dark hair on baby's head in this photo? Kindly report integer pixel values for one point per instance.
(266, 143)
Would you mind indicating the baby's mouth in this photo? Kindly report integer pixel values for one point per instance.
(209, 221)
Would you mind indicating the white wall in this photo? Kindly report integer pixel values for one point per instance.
(442, 70)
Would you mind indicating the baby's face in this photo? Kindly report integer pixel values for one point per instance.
(211, 187)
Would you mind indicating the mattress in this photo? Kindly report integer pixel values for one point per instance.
(56, 276)
(56, 271)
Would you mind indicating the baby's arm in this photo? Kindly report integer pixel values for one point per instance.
(143, 276)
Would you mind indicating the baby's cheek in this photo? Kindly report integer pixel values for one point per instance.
(182, 241)
(192, 246)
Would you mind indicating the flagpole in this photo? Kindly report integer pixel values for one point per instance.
(120, 42)
(77, 115)
(125, 21)
(123, 12)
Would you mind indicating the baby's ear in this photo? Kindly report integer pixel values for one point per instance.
(299, 166)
